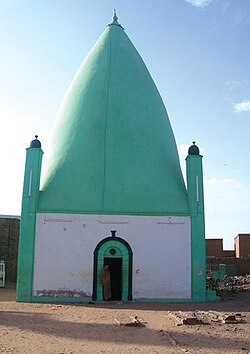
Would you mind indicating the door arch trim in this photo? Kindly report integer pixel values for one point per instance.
(127, 256)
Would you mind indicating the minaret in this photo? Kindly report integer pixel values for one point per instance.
(196, 207)
(28, 220)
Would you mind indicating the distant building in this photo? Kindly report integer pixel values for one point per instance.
(9, 236)
(214, 247)
(242, 245)
(236, 262)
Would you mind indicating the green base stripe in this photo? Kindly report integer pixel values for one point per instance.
(46, 299)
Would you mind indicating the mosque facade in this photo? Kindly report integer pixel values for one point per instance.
(112, 193)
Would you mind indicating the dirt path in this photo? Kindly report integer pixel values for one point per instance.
(94, 328)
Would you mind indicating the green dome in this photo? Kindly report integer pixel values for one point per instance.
(113, 148)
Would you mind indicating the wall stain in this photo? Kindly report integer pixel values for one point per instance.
(62, 293)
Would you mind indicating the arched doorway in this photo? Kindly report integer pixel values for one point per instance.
(117, 253)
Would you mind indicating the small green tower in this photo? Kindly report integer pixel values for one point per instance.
(196, 207)
(30, 197)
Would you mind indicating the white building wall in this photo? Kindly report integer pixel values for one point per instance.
(65, 244)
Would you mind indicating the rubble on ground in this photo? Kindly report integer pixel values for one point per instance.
(135, 322)
(205, 318)
(237, 283)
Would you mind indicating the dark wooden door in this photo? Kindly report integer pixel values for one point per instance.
(115, 268)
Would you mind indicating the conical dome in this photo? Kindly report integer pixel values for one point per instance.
(113, 148)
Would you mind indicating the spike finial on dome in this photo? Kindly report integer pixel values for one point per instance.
(114, 18)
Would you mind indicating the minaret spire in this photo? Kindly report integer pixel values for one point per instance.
(114, 18)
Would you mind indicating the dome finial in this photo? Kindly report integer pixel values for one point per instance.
(114, 18)
(193, 150)
(35, 143)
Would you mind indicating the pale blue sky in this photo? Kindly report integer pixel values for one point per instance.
(197, 52)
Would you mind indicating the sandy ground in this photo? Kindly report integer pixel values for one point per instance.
(94, 328)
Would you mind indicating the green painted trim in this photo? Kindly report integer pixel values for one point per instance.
(24, 299)
(198, 262)
(26, 247)
(198, 245)
(117, 255)
(126, 255)
(211, 296)
(98, 212)
(47, 299)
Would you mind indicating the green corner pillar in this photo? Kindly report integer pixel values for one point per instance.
(28, 220)
(196, 207)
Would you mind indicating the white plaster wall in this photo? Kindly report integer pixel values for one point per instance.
(161, 252)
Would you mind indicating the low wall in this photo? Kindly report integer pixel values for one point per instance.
(238, 266)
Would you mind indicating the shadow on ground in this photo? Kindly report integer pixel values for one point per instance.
(45, 324)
